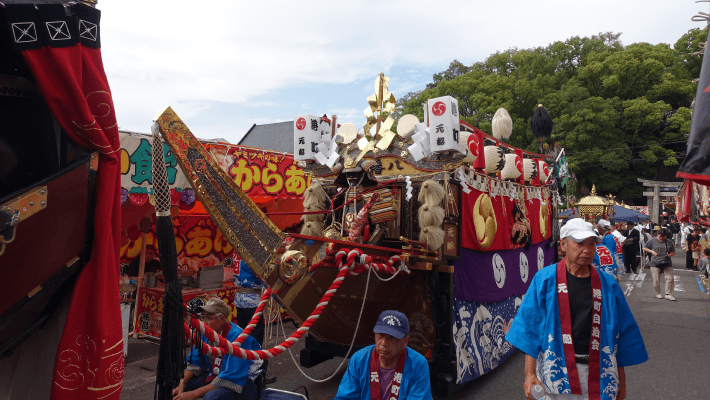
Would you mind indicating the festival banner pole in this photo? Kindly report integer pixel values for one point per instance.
(171, 360)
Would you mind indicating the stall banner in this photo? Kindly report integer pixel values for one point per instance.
(261, 174)
(196, 238)
(479, 334)
(493, 276)
(149, 306)
(641, 209)
(493, 219)
(137, 164)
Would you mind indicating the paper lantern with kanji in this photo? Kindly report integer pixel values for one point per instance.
(306, 136)
(444, 125)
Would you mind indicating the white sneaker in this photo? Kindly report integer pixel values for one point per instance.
(658, 296)
(670, 297)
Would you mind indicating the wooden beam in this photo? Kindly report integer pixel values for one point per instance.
(650, 183)
(662, 194)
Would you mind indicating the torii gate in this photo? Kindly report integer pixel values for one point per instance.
(654, 198)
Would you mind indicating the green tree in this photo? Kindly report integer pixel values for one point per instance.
(615, 108)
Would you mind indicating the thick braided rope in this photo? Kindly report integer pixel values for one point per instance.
(233, 348)
(357, 262)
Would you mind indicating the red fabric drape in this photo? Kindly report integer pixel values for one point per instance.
(90, 360)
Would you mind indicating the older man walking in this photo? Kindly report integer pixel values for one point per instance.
(575, 327)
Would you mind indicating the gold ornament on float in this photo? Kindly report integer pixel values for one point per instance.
(294, 266)
(484, 220)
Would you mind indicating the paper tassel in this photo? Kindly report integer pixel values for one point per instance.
(431, 193)
(433, 237)
(541, 123)
(502, 124)
(431, 216)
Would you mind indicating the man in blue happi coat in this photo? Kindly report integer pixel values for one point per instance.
(605, 258)
(389, 369)
(219, 378)
(575, 327)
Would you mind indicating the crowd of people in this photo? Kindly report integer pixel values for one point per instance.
(573, 324)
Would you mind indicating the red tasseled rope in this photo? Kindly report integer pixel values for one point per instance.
(388, 266)
(234, 348)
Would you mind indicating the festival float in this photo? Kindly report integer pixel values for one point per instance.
(438, 220)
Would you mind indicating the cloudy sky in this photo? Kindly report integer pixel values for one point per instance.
(226, 65)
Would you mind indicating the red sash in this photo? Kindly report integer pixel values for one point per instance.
(566, 325)
(375, 376)
(217, 361)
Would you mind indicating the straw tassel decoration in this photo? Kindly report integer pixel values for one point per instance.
(314, 199)
(502, 124)
(431, 193)
(433, 236)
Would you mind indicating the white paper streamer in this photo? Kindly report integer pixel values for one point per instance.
(464, 184)
(409, 188)
(421, 147)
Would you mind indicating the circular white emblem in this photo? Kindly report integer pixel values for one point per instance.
(524, 268)
(540, 258)
(499, 270)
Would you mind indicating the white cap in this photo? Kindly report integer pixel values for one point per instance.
(604, 224)
(579, 230)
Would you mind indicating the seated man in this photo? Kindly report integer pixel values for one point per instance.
(390, 369)
(219, 378)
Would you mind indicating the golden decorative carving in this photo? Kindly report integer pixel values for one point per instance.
(484, 220)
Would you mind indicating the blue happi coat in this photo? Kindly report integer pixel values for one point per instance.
(244, 277)
(603, 263)
(356, 381)
(536, 331)
(611, 241)
(234, 371)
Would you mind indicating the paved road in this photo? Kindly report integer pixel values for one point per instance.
(676, 336)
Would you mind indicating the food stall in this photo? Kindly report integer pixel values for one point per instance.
(205, 259)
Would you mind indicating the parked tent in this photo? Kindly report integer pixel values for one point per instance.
(623, 214)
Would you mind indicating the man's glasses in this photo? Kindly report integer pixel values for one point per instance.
(205, 318)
